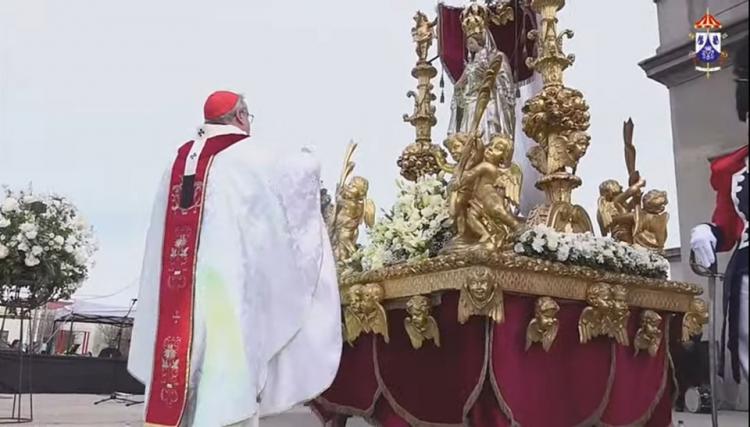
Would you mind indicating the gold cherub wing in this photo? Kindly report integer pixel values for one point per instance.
(603, 216)
(548, 338)
(513, 188)
(586, 325)
(352, 326)
(369, 215)
(533, 334)
(433, 331)
(379, 324)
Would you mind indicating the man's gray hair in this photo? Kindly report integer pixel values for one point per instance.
(228, 117)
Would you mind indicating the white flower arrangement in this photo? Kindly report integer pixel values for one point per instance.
(589, 250)
(416, 228)
(46, 247)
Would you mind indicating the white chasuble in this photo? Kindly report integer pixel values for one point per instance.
(266, 314)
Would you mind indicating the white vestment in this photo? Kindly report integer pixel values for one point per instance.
(266, 320)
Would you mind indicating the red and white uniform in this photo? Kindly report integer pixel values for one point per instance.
(729, 230)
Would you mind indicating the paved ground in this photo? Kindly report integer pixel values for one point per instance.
(79, 410)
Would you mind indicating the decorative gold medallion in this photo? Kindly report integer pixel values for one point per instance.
(649, 334)
(420, 325)
(480, 296)
(543, 327)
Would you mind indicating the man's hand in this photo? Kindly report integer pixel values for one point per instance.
(703, 244)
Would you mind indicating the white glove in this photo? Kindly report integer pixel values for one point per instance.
(703, 244)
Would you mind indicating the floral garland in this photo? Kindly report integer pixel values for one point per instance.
(46, 247)
(416, 228)
(589, 250)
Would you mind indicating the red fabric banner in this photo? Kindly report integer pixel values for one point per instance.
(510, 39)
(168, 390)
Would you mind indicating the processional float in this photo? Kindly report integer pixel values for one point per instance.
(494, 318)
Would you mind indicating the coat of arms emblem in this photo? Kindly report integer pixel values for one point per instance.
(707, 55)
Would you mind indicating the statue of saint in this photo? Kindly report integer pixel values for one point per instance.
(499, 115)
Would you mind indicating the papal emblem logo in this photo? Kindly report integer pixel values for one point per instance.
(708, 56)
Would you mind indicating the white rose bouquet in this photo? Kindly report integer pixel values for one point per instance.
(416, 228)
(46, 247)
(589, 250)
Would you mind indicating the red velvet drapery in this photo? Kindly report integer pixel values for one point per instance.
(482, 376)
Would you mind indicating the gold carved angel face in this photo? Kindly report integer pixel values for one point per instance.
(546, 312)
(356, 188)
(655, 201)
(609, 189)
(699, 311)
(599, 296)
(455, 145)
(482, 288)
(651, 320)
(620, 297)
(500, 150)
(418, 308)
(372, 294)
(579, 143)
(355, 296)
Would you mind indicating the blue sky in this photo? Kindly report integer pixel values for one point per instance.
(95, 96)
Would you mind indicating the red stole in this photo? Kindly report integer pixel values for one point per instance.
(169, 380)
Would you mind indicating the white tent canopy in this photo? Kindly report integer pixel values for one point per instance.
(91, 312)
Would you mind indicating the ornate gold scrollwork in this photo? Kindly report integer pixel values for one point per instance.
(694, 320)
(649, 334)
(420, 325)
(543, 327)
(364, 312)
(480, 296)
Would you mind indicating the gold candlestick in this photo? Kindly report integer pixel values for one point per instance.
(557, 119)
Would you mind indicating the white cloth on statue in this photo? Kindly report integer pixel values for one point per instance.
(266, 318)
(743, 332)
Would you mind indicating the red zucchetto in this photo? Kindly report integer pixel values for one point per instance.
(219, 103)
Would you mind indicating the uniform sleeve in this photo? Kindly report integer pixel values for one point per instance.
(724, 218)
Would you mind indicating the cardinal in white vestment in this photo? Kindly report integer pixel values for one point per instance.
(238, 313)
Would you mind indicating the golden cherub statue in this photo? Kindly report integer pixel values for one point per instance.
(420, 326)
(455, 144)
(651, 221)
(617, 320)
(649, 334)
(351, 209)
(485, 194)
(694, 320)
(594, 318)
(543, 327)
(616, 208)
(480, 296)
(363, 312)
(561, 154)
(422, 34)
